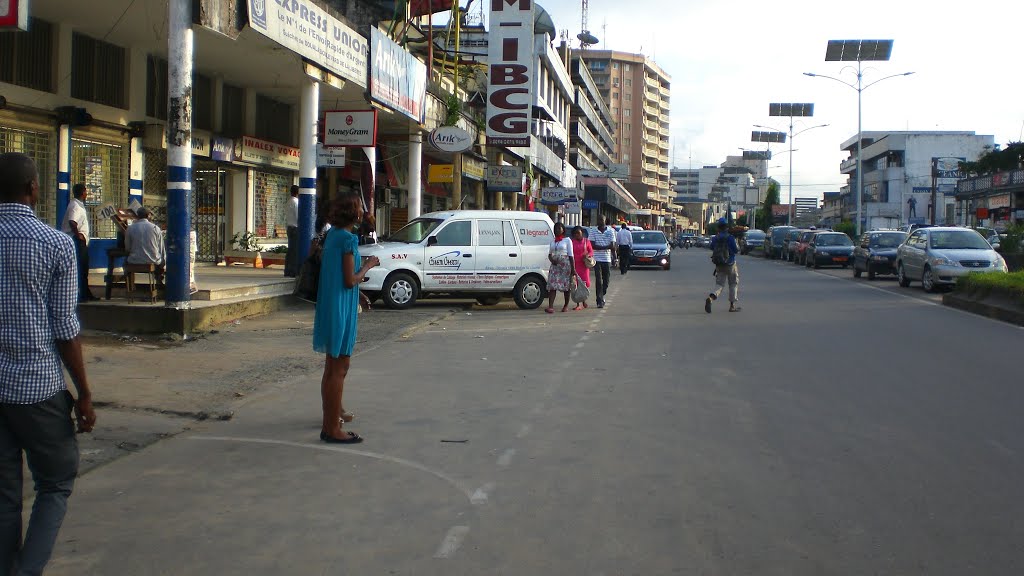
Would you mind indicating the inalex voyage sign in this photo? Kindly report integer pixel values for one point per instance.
(510, 54)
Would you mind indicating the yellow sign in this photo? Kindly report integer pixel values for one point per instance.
(441, 173)
(473, 169)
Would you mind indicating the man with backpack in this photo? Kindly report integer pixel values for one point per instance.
(723, 256)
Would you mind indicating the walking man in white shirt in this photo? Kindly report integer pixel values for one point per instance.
(291, 220)
(145, 244)
(76, 225)
(624, 238)
(603, 240)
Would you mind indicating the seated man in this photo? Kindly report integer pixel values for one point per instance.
(144, 242)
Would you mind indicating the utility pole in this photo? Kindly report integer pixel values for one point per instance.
(179, 151)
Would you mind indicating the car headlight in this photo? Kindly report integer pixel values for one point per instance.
(1000, 265)
(942, 261)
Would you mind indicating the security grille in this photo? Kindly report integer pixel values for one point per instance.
(154, 185)
(103, 168)
(208, 185)
(40, 147)
(272, 192)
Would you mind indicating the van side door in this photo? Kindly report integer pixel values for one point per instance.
(448, 258)
(498, 257)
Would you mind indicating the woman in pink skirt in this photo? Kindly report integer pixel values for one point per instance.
(581, 248)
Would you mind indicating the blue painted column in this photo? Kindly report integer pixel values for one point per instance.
(63, 172)
(308, 113)
(179, 151)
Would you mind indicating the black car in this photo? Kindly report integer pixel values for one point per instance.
(774, 241)
(876, 253)
(829, 249)
(650, 248)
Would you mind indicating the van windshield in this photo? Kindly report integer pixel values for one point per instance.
(414, 232)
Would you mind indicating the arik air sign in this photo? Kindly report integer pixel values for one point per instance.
(510, 54)
(308, 30)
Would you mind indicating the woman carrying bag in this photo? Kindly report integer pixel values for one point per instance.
(583, 261)
(561, 274)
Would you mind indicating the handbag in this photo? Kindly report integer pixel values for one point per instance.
(588, 259)
(579, 292)
(307, 283)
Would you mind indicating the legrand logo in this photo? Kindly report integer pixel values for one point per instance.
(537, 232)
(447, 260)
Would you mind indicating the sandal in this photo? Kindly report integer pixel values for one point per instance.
(350, 438)
(549, 310)
(565, 308)
(347, 417)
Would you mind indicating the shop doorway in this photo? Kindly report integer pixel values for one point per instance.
(209, 186)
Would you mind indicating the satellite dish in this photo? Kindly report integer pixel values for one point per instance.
(587, 38)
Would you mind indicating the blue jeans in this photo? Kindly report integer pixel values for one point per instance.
(45, 433)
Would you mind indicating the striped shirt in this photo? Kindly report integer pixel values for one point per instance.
(38, 300)
(603, 242)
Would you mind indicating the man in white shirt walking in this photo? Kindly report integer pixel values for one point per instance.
(624, 238)
(291, 220)
(603, 240)
(145, 244)
(76, 225)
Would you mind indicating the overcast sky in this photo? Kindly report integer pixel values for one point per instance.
(729, 58)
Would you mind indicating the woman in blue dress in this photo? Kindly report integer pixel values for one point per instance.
(337, 305)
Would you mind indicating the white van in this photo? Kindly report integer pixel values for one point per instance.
(481, 254)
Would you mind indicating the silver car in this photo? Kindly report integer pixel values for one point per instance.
(938, 256)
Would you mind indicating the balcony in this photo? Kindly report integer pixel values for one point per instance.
(650, 181)
(663, 144)
(664, 119)
(652, 82)
(651, 96)
(664, 105)
(848, 166)
(650, 151)
(665, 92)
(651, 111)
(663, 172)
(650, 166)
(650, 125)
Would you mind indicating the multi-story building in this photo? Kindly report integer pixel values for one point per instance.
(638, 92)
(899, 168)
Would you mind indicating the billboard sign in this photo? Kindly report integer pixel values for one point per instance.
(558, 196)
(505, 178)
(510, 54)
(329, 157)
(308, 30)
(398, 79)
(451, 139)
(350, 128)
(948, 167)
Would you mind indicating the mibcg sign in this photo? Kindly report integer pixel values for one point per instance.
(510, 54)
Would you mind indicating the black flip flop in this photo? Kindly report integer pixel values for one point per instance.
(351, 438)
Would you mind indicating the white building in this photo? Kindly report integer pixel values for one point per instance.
(898, 174)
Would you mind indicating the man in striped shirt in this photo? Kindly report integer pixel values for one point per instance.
(38, 300)
(603, 240)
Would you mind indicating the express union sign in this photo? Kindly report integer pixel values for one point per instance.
(510, 53)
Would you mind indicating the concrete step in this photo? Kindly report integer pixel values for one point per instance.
(265, 288)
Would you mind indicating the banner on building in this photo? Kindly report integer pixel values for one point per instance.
(511, 62)
(308, 30)
(350, 128)
(265, 153)
(916, 205)
(398, 79)
(505, 178)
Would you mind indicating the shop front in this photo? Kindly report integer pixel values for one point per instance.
(273, 169)
(99, 159)
(35, 136)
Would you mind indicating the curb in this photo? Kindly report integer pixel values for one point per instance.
(989, 309)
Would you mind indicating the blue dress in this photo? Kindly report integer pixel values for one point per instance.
(335, 324)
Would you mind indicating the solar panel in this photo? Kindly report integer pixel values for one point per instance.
(757, 136)
(857, 50)
(790, 109)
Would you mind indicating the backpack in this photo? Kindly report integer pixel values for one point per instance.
(720, 251)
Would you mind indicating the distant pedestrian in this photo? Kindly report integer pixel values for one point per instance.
(723, 256)
(39, 339)
(624, 239)
(561, 272)
(291, 220)
(603, 241)
(336, 321)
(76, 225)
(581, 249)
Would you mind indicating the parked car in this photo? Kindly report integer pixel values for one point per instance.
(829, 249)
(790, 243)
(800, 255)
(938, 256)
(481, 254)
(755, 240)
(774, 241)
(876, 252)
(650, 248)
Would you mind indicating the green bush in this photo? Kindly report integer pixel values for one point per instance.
(282, 249)
(1014, 241)
(846, 227)
(1011, 284)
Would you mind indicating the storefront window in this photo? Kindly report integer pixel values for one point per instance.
(103, 168)
(272, 194)
(39, 146)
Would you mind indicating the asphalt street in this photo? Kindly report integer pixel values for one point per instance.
(834, 426)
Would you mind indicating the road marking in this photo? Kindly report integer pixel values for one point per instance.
(584, 338)
(329, 448)
(480, 496)
(452, 540)
(574, 353)
(506, 457)
(580, 344)
(524, 430)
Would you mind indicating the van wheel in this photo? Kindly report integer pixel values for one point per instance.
(488, 300)
(399, 291)
(530, 292)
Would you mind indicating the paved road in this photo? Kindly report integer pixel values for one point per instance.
(828, 428)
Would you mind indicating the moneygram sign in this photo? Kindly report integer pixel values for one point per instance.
(510, 53)
(350, 128)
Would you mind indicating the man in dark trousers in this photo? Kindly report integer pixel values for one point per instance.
(723, 255)
(291, 220)
(603, 240)
(38, 298)
(624, 239)
(76, 225)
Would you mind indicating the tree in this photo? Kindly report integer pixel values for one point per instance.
(765, 216)
(1009, 158)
